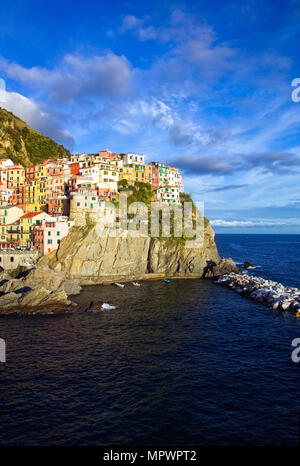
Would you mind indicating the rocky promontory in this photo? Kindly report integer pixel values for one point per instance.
(267, 292)
(92, 258)
(88, 258)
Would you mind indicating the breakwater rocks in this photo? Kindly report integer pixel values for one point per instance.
(271, 294)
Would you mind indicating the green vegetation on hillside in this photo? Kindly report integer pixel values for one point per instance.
(23, 144)
(144, 192)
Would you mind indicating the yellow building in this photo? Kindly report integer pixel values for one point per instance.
(143, 173)
(127, 173)
(35, 195)
(8, 216)
(21, 232)
(15, 176)
(108, 176)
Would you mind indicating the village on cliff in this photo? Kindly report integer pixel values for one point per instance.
(40, 203)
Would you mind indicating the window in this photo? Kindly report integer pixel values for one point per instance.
(11, 259)
(58, 233)
(49, 241)
(49, 233)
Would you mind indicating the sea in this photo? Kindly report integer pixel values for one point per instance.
(179, 363)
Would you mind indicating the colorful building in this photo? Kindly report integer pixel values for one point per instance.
(8, 216)
(15, 176)
(168, 194)
(48, 234)
(21, 232)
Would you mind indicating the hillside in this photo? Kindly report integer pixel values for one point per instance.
(25, 145)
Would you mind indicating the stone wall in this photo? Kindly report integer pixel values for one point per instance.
(12, 259)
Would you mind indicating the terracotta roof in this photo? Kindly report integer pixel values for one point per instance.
(31, 214)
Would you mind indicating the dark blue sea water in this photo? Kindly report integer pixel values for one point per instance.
(277, 256)
(181, 363)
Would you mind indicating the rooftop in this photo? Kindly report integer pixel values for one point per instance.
(31, 214)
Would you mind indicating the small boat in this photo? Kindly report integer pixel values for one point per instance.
(136, 284)
(108, 307)
(166, 280)
(120, 285)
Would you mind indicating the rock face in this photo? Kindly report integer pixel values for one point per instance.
(39, 291)
(95, 259)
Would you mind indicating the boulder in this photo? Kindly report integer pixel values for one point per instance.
(71, 287)
(57, 296)
(248, 265)
(9, 300)
(44, 277)
(225, 266)
(34, 297)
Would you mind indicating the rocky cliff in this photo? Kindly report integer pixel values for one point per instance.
(93, 259)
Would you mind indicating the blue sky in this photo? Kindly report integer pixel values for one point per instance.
(205, 86)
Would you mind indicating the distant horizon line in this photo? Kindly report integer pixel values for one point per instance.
(258, 234)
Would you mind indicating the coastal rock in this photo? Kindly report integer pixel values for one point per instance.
(9, 300)
(52, 280)
(40, 288)
(70, 287)
(225, 266)
(87, 257)
(266, 292)
(58, 296)
(34, 297)
(43, 277)
(95, 259)
(8, 285)
(248, 265)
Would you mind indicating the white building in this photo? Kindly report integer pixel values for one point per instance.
(129, 159)
(6, 163)
(168, 194)
(92, 172)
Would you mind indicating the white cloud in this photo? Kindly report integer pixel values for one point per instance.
(132, 23)
(250, 223)
(35, 116)
(108, 75)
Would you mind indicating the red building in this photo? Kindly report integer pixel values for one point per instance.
(75, 168)
(155, 174)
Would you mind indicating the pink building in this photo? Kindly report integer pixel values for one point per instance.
(48, 235)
